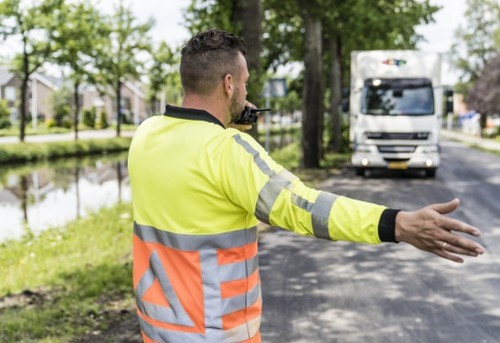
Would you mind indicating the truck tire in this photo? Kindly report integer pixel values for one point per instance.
(430, 172)
(360, 171)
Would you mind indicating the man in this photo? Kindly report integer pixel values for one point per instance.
(199, 188)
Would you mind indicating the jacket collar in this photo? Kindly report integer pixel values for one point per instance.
(191, 114)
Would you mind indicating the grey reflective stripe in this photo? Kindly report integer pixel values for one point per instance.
(302, 203)
(259, 161)
(243, 332)
(175, 314)
(320, 212)
(268, 195)
(185, 242)
(241, 301)
(211, 289)
(236, 334)
(238, 270)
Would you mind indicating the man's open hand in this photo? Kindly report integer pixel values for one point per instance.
(430, 230)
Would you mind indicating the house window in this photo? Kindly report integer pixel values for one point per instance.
(10, 93)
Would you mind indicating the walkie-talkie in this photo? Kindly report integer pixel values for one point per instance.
(249, 115)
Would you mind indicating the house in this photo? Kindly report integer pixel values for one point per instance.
(42, 88)
(40, 92)
(133, 103)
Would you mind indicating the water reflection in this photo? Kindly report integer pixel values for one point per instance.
(38, 196)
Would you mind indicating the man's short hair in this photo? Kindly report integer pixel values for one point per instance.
(207, 57)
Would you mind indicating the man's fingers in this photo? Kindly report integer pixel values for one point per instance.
(448, 256)
(458, 250)
(446, 207)
(459, 245)
(456, 225)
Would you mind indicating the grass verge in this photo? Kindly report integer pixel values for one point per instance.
(74, 284)
(67, 282)
(289, 157)
(29, 152)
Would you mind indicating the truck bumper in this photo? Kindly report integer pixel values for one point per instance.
(368, 156)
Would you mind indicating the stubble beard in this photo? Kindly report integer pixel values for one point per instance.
(236, 107)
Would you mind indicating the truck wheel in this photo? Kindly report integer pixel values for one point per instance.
(360, 171)
(430, 172)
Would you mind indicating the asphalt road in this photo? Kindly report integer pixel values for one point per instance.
(319, 291)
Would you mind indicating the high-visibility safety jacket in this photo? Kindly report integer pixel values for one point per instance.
(198, 193)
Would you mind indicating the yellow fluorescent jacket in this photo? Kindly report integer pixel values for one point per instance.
(199, 191)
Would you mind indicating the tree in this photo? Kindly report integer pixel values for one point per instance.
(79, 32)
(365, 25)
(241, 17)
(484, 96)
(476, 41)
(35, 26)
(160, 73)
(118, 57)
(346, 25)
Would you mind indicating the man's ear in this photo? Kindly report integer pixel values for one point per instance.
(228, 84)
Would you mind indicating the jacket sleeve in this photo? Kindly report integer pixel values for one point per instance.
(277, 197)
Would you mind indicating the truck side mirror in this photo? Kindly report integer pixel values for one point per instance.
(449, 100)
(344, 101)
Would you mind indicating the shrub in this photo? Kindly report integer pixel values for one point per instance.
(89, 117)
(102, 123)
(4, 115)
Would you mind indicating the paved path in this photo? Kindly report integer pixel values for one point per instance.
(319, 291)
(489, 144)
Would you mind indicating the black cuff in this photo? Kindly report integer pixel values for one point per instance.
(387, 225)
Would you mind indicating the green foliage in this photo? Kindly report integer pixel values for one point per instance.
(4, 115)
(89, 117)
(477, 40)
(117, 56)
(102, 121)
(27, 152)
(61, 107)
(162, 74)
(34, 24)
(76, 276)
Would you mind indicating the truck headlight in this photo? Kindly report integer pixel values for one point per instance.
(363, 149)
(429, 149)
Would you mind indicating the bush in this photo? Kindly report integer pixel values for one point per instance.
(50, 123)
(102, 123)
(4, 115)
(89, 117)
(26, 152)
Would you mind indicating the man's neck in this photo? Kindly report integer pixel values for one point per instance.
(206, 104)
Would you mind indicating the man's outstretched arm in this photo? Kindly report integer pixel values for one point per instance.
(430, 230)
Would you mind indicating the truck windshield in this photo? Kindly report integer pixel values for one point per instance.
(398, 97)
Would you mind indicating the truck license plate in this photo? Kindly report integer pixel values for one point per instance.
(398, 165)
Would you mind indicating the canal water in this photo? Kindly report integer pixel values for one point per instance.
(35, 197)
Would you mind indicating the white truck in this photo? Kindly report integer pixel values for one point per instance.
(396, 110)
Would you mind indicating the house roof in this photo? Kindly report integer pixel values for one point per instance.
(5, 75)
(135, 89)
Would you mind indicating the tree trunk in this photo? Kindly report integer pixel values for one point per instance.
(247, 15)
(22, 108)
(118, 107)
(335, 95)
(76, 108)
(313, 92)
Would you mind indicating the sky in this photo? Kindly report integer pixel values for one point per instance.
(438, 36)
(169, 18)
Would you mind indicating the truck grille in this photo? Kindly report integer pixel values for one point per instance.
(398, 135)
(394, 149)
